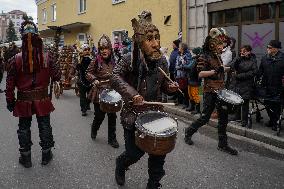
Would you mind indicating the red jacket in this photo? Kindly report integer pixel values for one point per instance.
(16, 78)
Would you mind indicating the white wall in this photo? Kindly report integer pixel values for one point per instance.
(197, 18)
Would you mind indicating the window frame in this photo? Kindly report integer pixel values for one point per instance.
(114, 2)
(53, 12)
(82, 34)
(84, 6)
(44, 16)
(267, 19)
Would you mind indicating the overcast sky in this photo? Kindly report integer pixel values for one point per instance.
(27, 6)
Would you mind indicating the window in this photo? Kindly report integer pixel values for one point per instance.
(117, 1)
(82, 6)
(13, 16)
(18, 17)
(82, 38)
(53, 11)
(44, 16)
(168, 20)
(248, 14)
(121, 34)
(231, 16)
(217, 18)
(266, 11)
(18, 23)
(281, 10)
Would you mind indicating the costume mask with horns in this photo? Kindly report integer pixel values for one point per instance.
(141, 28)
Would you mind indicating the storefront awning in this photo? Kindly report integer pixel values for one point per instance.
(65, 28)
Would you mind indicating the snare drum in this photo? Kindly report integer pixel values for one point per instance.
(155, 132)
(110, 101)
(230, 98)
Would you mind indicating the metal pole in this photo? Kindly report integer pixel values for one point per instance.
(180, 15)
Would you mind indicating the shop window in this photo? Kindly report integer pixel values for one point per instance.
(248, 14)
(231, 16)
(217, 18)
(281, 10)
(266, 11)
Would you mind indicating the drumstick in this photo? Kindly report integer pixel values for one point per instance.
(157, 103)
(105, 81)
(164, 73)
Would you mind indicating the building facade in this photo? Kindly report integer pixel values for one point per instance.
(83, 18)
(253, 22)
(4, 22)
(16, 16)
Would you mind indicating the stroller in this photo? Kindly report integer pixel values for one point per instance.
(258, 99)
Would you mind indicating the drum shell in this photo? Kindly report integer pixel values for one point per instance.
(110, 108)
(155, 145)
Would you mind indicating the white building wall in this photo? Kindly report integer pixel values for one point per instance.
(197, 18)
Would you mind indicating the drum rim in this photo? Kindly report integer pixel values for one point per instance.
(224, 99)
(168, 133)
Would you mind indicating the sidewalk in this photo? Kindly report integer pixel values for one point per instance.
(258, 132)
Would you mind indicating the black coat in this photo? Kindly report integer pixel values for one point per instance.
(244, 73)
(271, 70)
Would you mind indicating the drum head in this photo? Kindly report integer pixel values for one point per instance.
(156, 124)
(230, 97)
(110, 95)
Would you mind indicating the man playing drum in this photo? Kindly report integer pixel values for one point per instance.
(137, 77)
(99, 73)
(211, 69)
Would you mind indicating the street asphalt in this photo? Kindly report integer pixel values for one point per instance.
(80, 162)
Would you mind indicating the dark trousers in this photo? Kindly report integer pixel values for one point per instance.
(273, 109)
(245, 112)
(132, 154)
(84, 102)
(1, 74)
(210, 101)
(45, 133)
(183, 99)
(99, 118)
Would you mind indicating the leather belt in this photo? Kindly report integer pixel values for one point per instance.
(38, 94)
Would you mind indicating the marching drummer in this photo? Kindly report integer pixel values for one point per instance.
(211, 69)
(98, 73)
(137, 78)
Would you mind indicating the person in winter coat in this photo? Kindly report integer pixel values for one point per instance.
(173, 58)
(244, 70)
(194, 83)
(183, 60)
(271, 70)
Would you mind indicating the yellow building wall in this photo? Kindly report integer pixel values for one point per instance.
(105, 17)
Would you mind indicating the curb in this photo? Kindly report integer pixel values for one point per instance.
(237, 130)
